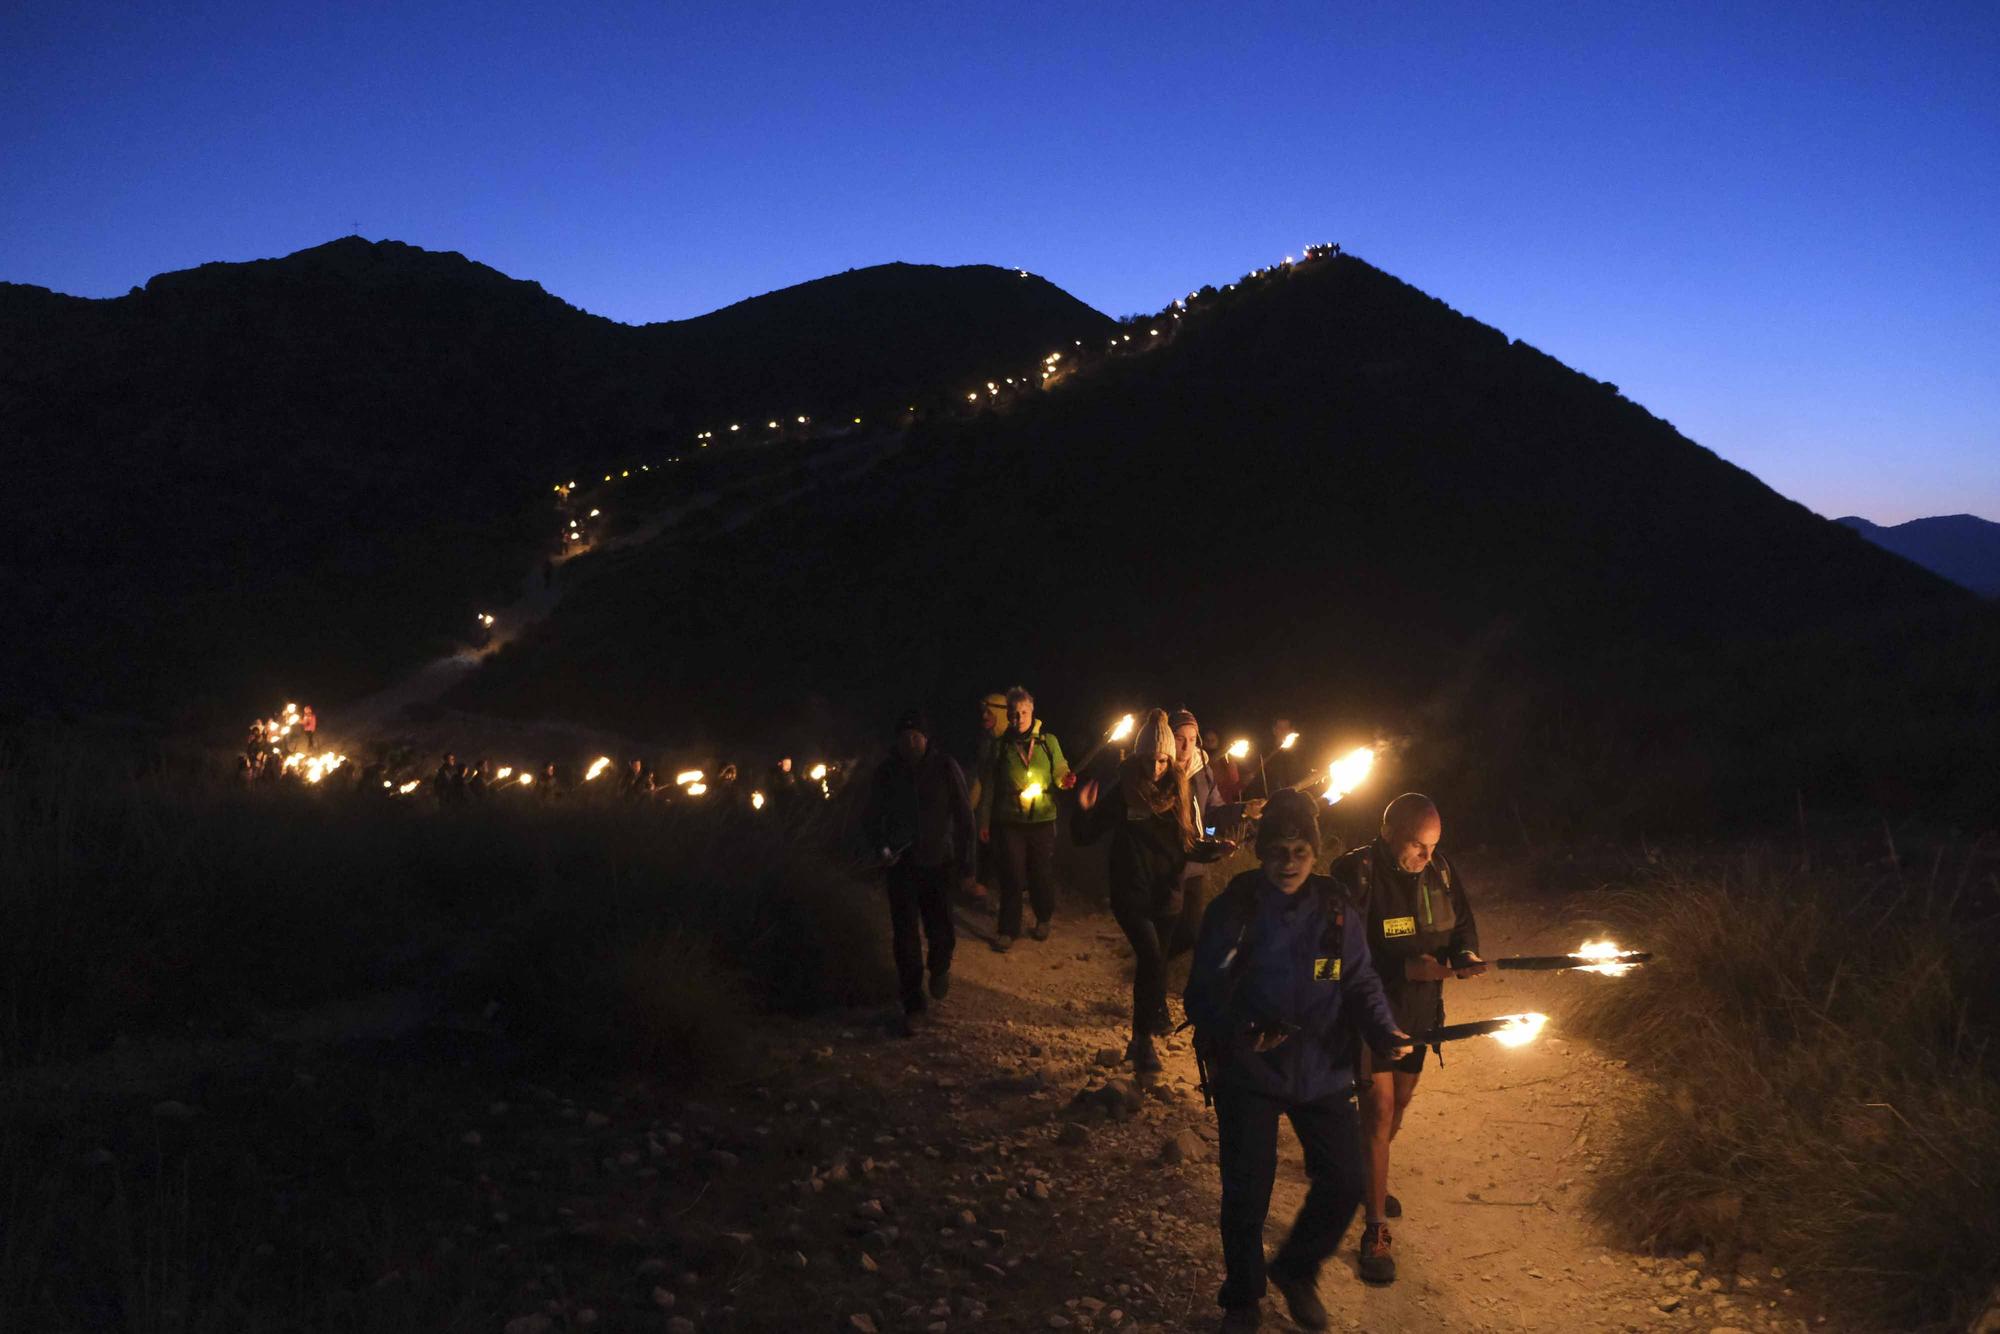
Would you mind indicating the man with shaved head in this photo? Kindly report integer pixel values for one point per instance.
(1420, 931)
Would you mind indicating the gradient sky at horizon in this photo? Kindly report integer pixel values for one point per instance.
(1771, 224)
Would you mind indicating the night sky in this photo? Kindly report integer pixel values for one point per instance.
(1773, 224)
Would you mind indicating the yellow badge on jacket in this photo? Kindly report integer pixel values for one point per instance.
(1398, 926)
(1326, 970)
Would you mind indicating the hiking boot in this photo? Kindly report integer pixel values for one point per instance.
(1392, 1208)
(1377, 1264)
(1001, 944)
(1040, 931)
(940, 985)
(903, 1024)
(1302, 1300)
(1161, 1024)
(1242, 1319)
(1145, 1060)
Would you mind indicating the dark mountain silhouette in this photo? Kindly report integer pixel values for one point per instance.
(291, 476)
(1962, 547)
(1328, 496)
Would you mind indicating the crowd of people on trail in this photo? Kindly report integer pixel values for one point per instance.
(1310, 990)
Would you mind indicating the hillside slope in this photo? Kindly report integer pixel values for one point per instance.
(1963, 548)
(293, 475)
(1329, 496)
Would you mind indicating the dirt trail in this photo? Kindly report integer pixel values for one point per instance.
(1009, 1108)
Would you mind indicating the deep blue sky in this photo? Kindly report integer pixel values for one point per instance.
(1773, 224)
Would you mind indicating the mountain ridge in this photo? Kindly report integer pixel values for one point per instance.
(1963, 548)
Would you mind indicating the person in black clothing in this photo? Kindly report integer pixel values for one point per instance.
(448, 783)
(1420, 931)
(919, 821)
(633, 786)
(1155, 832)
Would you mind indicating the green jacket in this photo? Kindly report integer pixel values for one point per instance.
(1006, 774)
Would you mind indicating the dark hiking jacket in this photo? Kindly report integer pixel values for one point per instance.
(1147, 861)
(921, 811)
(1300, 959)
(1409, 915)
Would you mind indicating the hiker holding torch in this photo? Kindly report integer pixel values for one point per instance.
(1024, 770)
(1420, 932)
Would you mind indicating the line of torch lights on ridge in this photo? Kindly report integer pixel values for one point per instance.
(1045, 375)
(692, 782)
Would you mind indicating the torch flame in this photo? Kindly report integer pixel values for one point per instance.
(817, 773)
(503, 773)
(686, 776)
(1521, 1029)
(597, 766)
(756, 801)
(1346, 773)
(1239, 750)
(527, 780)
(1123, 727)
(1291, 739)
(411, 786)
(696, 789)
(1609, 953)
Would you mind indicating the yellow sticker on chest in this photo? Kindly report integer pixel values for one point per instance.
(1326, 970)
(1398, 926)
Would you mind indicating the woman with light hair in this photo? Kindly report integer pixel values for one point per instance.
(1155, 832)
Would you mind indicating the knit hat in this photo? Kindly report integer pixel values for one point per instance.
(1155, 738)
(1289, 814)
(913, 720)
(1182, 718)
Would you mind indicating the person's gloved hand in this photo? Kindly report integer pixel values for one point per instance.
(1067, 781)
(1468, 964)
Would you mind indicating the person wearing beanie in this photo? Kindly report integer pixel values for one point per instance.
(1283, 994)
(1025, 769)
(1155, 833)
(919, 824)
(1420, 932)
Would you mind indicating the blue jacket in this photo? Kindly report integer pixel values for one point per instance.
(1303, 960)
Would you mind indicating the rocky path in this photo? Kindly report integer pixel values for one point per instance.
(1001, 1171)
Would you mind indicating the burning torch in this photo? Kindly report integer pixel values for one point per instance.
(1119, 731)
(1509, 1030)
(1593, 956)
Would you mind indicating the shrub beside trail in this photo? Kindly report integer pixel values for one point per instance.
(1830, 1091)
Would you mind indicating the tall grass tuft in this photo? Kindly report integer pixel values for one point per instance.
(1830, 1090)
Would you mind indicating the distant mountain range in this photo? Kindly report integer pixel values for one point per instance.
(1325, 495)
(1315, 492)
(1962, 547)
(294, 475)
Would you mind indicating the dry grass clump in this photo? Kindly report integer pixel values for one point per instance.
(1830, 1093)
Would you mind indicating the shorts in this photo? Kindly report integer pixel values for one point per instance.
(1413, 1064)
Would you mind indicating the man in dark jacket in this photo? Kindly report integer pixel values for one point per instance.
(1282, 995)
(1420, 931)
(919, 822)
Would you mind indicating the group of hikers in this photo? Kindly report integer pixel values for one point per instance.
(1308, 991)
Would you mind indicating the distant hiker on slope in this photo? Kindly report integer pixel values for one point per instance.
(919, 822)
(1017, 810)
(1282, 995)
(1420, 931)
(1155, 834)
